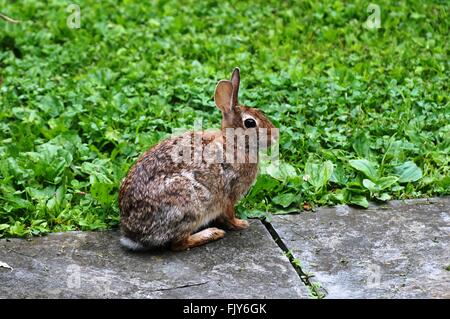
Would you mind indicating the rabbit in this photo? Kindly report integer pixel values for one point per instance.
(165, 202)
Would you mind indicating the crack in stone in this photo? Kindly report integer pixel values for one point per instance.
(180, 287)
(304, 277)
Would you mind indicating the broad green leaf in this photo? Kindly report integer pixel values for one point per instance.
(51, 105)
(339, 176)
(18, 202)
(285, 200)
(361, 145)
(384, 197)
(283, 171)
(386, 182)
(341, 195)
(17, 229)
(41, 194)
(51, 204)
(264, 183)
(318, 174)
(371, 186)
(359, 200)
(382, 183)
(366, 167)
(408, 172)
(355, 187)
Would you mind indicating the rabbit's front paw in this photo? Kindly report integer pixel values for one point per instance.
(238, 224)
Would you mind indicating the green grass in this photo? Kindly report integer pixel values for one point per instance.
(364, 114)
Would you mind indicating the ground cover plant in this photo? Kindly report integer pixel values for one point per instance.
(363, 112)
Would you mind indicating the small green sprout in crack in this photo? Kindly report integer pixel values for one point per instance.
(298, 266)
(315, 288)
(447, 268)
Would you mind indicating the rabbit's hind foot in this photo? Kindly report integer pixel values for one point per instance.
(202, 237)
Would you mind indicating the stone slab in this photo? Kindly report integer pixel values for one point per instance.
(246, 264)
(396, 250)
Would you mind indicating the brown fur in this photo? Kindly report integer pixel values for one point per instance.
(164, 202)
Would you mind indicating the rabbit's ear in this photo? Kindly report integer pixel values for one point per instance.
(222, 97)
(235, 80)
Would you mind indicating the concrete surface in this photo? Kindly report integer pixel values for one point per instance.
(246, 264)
(396, 250)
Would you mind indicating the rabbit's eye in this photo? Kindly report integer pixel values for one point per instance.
(250, 123)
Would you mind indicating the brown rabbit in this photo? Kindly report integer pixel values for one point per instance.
(166, 201)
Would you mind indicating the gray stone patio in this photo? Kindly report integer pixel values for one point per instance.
(397, 250)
